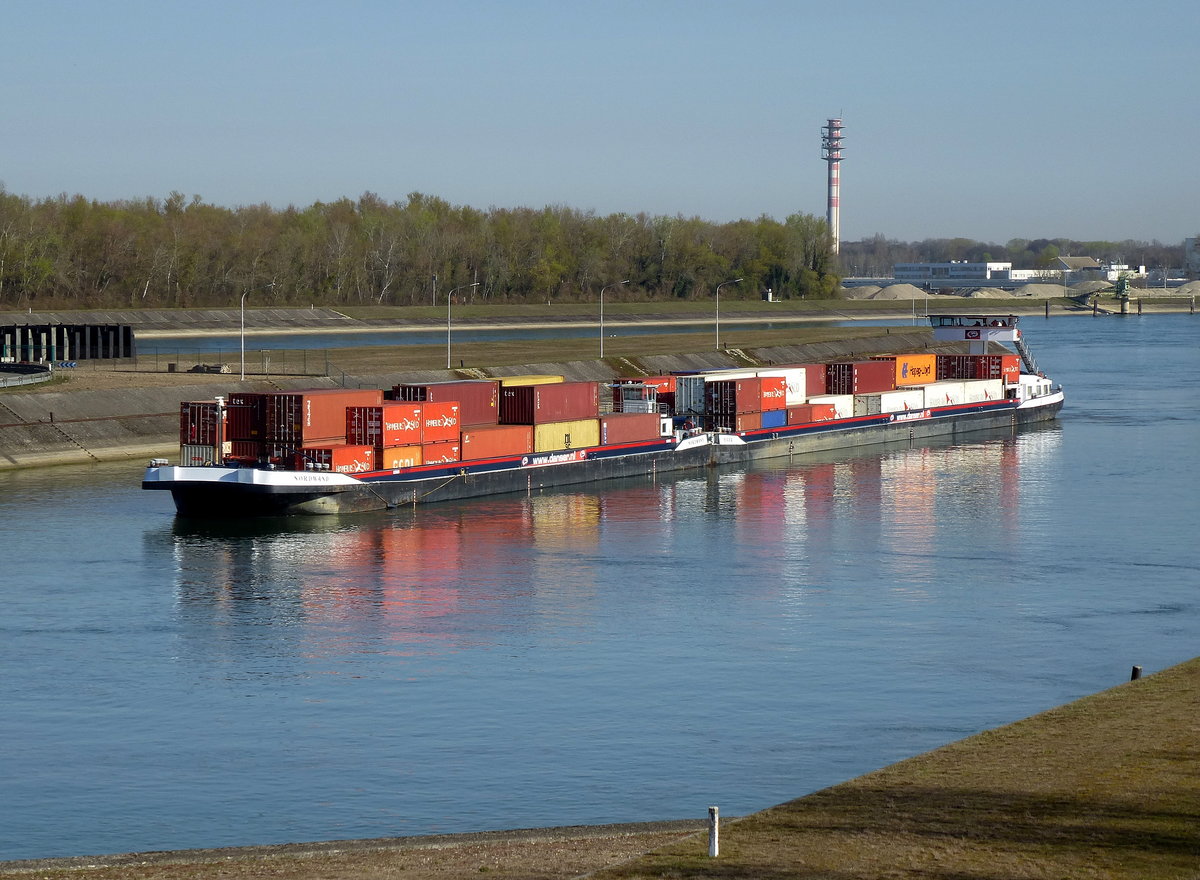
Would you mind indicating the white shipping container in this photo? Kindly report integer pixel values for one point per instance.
(843, 404)
(948, 392)
(192, 455)
(902, 400)
(976, 390)
(797, 389)
(726, 375)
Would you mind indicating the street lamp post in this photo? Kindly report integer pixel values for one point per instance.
(243, 379)
(243, 323)
(719, 286)
(602, 289)
(449, 300)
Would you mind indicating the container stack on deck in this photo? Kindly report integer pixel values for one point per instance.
(437, 423)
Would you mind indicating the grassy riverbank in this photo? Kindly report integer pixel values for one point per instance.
(1105, 787)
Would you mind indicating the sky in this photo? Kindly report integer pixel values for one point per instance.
(990, 121)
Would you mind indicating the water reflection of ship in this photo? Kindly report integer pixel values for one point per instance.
(892, 502)
(433, 576)
(445, 575)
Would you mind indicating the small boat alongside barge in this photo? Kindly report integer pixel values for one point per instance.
(331, 452)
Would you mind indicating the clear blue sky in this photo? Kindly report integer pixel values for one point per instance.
(989, 121)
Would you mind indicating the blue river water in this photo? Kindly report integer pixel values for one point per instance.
(633, 651)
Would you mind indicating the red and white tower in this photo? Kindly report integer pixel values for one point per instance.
(831, 146)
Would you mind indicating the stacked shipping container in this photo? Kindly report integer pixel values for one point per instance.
(353, 431)
(564, 415)
(979, 366)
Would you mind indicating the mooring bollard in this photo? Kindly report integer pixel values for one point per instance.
(1136, 674)
(714, 827)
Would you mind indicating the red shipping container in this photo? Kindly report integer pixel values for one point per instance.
(539, 404)
(391, 424)
(337, 459)
(733, 396)
(441, 452)
(811, 412)
(246, 419)
(493, 441)
(305, 416)
(860, 377)
(957, 366)
(246, 450)
(628, 427)
(199, 424)
(800, 415)
(814, 378)
(440, 423)
(999, 366)
(478, 399)
(738, 421)
(774, 392)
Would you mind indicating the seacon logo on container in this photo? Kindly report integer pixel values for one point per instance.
(554, 458)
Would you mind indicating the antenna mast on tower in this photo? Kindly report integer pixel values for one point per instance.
(831, 148)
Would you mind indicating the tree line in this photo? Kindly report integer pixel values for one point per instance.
(71, 252)
(874, 257)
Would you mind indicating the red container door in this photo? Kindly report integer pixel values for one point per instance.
(839, 378)
(799, 415)
(246, 419)
(872, 377)
(541, 404)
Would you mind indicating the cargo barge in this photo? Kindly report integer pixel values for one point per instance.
(341, 451)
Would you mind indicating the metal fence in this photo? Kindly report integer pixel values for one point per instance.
(258, 362)
(8, 380)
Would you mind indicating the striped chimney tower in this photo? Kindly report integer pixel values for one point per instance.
(831, 146)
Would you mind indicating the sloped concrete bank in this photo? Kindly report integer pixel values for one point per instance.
(66, 427)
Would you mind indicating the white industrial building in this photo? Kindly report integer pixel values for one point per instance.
(955, 271)
(1064, 270)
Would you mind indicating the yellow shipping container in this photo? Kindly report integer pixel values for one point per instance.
(394, 457)
(510, 381)
(553, 436)
(915, 369)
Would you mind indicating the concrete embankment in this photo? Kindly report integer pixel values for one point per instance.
(65, 426)
(60, 427)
